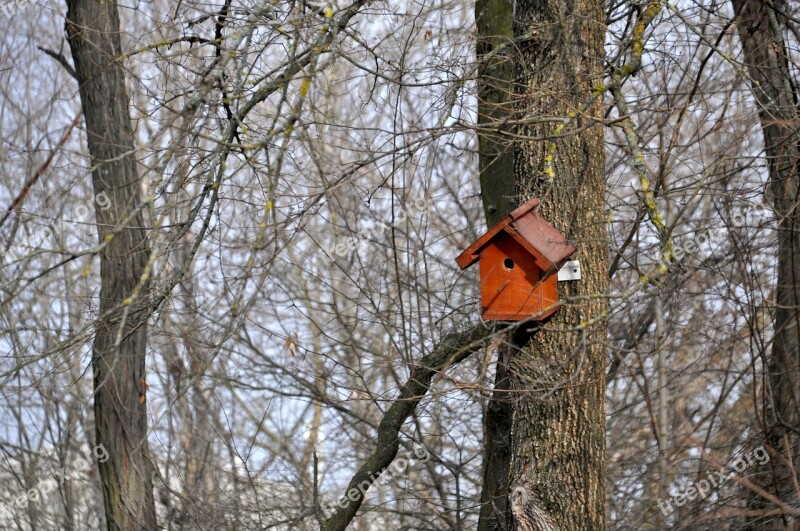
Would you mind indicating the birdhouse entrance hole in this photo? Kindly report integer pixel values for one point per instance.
(508, 263)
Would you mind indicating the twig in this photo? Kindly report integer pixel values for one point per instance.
(58, 56)
(40, 171)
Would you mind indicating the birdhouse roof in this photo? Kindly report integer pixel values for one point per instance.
(548, 246)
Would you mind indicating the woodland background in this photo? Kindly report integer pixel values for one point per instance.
(273, 357)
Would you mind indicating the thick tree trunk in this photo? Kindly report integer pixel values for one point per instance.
(119, 371)
(556, 462)
(760, 30)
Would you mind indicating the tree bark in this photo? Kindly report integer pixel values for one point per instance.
(119, 367)
(761, 33)
(556, 462)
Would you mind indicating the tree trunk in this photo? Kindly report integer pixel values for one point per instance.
(495, 106)
(760, 30)
(494, 49)
(497, 451)
(556, 462)
(119, 370)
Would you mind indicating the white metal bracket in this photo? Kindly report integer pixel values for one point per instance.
(570, 271)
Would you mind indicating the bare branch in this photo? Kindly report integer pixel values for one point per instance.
(452, 350)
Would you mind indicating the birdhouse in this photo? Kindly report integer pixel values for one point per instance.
(519, 258)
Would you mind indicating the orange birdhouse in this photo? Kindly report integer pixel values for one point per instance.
(518, 260)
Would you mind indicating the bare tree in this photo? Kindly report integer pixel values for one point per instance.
(118, 359)
(761, 30)
(551, 469)
(284, 207)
